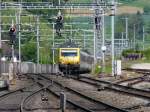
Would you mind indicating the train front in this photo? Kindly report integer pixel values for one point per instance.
(69, 59)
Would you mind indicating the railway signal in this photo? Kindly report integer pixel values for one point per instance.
(59, 23)
(12, 34)
(97, 22)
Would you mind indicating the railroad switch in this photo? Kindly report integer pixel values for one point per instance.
(129, 84)
(101, 87)
(44, 96)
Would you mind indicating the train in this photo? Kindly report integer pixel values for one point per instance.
(73, 60)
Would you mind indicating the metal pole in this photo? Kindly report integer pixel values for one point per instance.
(112, 36)
(126, 31)
(0, 30)
(0, 24)
(59, 2)
(71, 31)
(122, 45)
(37, 37)
(19, 32)
(13, 68)
(134, 37)
(143, 38)
(84, 40)
(12, 47)
(103, 43)
(95, 46)
(53, 44)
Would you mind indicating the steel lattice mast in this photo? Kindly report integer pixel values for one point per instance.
(98, 28)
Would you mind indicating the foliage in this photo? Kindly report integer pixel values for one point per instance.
(130, 51)
(136, 19)
(29, 51)
(146, 10)
(147, 54)
(125, 52)
(96, 69)
(1, 50)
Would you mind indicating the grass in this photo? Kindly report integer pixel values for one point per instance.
(98, 68)
(127, 64)
(124, 64)
(137, 3)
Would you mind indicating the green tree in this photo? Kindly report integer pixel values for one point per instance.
(138, 21)
(29, 52)
(120, 23)
(146, 10)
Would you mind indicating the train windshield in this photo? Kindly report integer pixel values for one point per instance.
(69, 53)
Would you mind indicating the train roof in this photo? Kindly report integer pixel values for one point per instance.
(69, 44)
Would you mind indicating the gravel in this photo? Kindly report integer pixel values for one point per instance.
(143, 85)
(110, 97)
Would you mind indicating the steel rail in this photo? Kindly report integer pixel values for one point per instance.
(58, 96)
(116, 87)
(12, 92)
(24, 100)
(87, 97)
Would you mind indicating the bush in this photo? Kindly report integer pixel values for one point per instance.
(96, 69)
(126, 52)
(132, 54)
(0, 50)
(147, 10)
(147, 54)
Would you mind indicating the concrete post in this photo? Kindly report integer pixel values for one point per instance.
(62, 101)
(143, 38)
(112, 36)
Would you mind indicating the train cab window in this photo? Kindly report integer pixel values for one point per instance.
(69, 53)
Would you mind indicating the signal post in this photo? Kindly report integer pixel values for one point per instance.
(12, 34)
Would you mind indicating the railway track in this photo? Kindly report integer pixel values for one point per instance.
(142, 71)
(21, 103)
(144, 78)
(85, 101)
(132, 82)
(11, 101)
(28, 98)
(116, 87)
(56, 93)
(74, 97)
